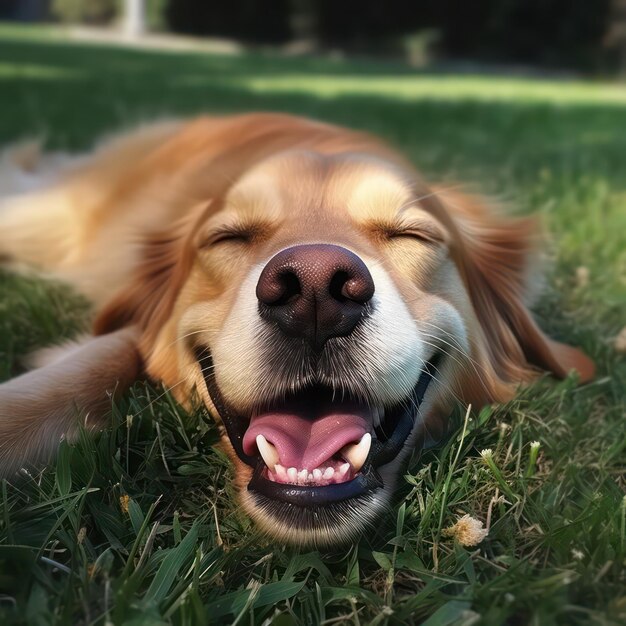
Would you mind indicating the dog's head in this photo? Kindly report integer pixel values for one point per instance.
(330, 309)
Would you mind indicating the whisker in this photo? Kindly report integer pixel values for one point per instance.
(473, 362)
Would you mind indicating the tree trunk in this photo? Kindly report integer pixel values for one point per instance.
(134, 18)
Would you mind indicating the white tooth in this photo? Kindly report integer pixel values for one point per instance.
(302, 476)
(310, 478)
(356, 453)
(328, 473)
(267, 451)
(317, 475)
(292, 475)
(343, 470)
(281, 472)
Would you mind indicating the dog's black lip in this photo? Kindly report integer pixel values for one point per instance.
(314, 495)
(235, 425)
(367, 480)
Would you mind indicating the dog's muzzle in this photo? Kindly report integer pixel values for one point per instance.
(312, 449)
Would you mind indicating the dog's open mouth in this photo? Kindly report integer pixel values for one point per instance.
(317, 446)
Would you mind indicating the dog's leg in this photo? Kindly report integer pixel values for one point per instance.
(41, 407)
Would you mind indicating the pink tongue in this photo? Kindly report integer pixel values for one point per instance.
(304, 443)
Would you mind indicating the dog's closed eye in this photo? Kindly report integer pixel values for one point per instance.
(423, 230)
(239, 233)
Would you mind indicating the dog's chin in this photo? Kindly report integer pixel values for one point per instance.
(319, 467)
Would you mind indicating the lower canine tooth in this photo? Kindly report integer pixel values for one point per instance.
(267, 451)
(344, 469)
(356, 453)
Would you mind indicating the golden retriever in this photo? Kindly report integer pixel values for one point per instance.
(326, 305)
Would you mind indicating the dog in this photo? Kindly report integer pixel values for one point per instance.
(326, 305)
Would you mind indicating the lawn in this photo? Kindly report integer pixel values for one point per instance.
(137, 525)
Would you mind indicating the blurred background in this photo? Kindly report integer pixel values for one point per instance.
(587, 36)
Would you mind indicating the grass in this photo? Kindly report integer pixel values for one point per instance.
(138, 525)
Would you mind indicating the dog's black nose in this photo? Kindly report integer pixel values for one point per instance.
(315, 291)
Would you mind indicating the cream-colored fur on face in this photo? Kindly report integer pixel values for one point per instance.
(391, 354)
(135, 226)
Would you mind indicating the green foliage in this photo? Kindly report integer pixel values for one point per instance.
(155, 15)
(34, 314)
(139, 525)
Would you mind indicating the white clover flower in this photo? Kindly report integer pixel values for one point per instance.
(468, 531)
(124, 502)
(582, 276)
(486, 453)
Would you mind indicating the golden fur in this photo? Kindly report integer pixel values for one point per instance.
(133, 225)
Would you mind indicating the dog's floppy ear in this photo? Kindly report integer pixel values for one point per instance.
(148, 300)
(493, 253)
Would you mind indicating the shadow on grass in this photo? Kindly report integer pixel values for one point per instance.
(71, 93)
